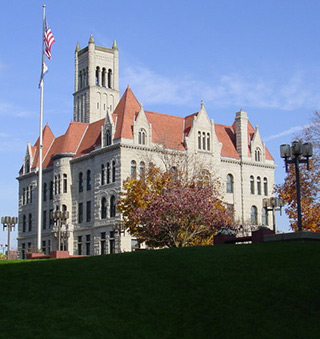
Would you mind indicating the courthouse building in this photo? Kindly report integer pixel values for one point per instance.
(112, 138)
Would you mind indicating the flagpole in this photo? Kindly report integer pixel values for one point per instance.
(40, 136)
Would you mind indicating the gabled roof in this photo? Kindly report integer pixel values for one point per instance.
(125, 112)
(82, 138)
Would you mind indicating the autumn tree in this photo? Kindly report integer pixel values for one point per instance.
(309, 183)
(164, 209)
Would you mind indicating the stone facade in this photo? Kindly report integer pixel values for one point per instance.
(110, 140)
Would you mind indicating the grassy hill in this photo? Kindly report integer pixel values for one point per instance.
(269, 290)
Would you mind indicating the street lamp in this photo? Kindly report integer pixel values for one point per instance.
(273, 204)
(297, 153)
(59, 218)
(9, 222)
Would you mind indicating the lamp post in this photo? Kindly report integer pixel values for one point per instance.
(59, 218)
(273, 204)
(297, 153)
(9, 222)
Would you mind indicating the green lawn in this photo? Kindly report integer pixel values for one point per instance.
(269, 290)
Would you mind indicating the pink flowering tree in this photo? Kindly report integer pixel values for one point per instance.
(181, 216)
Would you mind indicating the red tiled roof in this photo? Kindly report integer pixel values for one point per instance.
(91, 138)
(167, 130)
(125, 112)
(81, 138)
(227, 137)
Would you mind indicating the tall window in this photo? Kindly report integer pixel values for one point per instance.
(65, 183)
(113, 171)
(44, 220)
(133, 169)
(80, 245)
(251, 184)
(23, 196)
(199, 140)
(257, 154)
(30, 223)
(24, 223)
(103, 208)
(258, 185)
(112, 206)
(98, 76)
(108, 137)
(265, 186)
(27, 195)
(103, 77)
(142, 137)
(103, 179)
(31, 189)
(264, 217)
(80, 212)
(254, 215)
(55, 185)
(108, 172)
(103, 243)
(109, 78)
(59, 184)
(45, 191)
(229, 183)
(208, 142)
(88, 244)
(80, 182)
(88, 211)
(51, 190)
(142, 169)
(88, 180)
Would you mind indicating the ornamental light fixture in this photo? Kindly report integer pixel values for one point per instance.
(297, 153)
(10, 223)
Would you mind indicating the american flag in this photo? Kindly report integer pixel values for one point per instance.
(48, 39)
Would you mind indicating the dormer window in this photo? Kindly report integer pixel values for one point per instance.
(108, 137)
(257, 154)
(142, 137)
(204, 141)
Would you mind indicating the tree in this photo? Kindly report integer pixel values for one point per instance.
(310, 184)
(161, 209)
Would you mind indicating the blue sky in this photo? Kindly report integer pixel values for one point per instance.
(261, 56)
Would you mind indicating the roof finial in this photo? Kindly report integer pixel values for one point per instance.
(115, 45)
(91, 40)
(202, 104)
(78, 47)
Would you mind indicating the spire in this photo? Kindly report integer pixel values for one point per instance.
(115, 45)
(78, 47)
(91, 40)
(202, 104)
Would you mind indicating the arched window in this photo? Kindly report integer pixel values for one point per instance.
(199, 140)
(80, 182)
(23, 196)
(59, 184)
(258, 185)
(133, 169)
(108, 172)
(27, 168)
(254, 215)
(45, 191)
(208, 141)
(108, 137)
(103, 77)
(55, 185)
(103, 208)
(203, 140)
(264, 217)
(265, 186)
(64, 208)
(113, 171)
(142, 137)
(65, 183)
(251, 184)
(98, 76)
(88, 180)
(112, 206)
(229, 183)
(174, 172)
(142, 169)
(27, 195)
(109, 78)
(103, 179)
(257, 154)
(31, 189)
